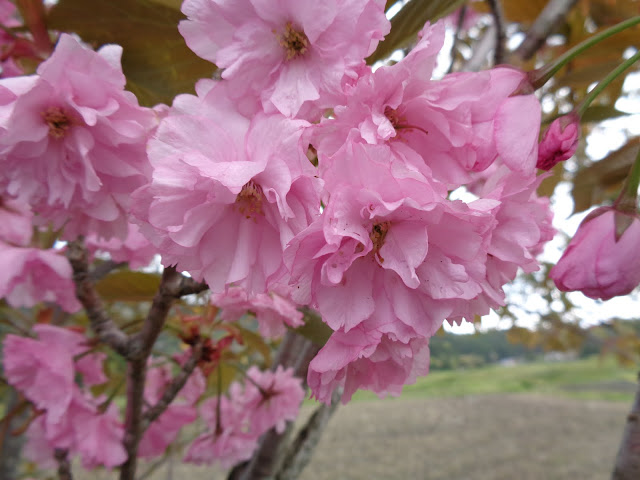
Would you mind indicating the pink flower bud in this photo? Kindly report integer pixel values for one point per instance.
(602, 260)
(559, 142)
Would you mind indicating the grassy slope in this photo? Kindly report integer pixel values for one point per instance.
(592, 378)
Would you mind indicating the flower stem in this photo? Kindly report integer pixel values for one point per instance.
(604, 83)
(542, 75)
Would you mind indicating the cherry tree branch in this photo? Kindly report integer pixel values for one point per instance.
(140, 349)
(188, 286)
(174, 387)
(104, 327)
(64, 466)
(627, 466)
(135, 349)
(552, 14)
(142, 343)
(498, 20)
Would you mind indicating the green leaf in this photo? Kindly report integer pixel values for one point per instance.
(598, 113)
(255, 342)
(228, 374)
(128, 286)
(314, 329)
(409, 21)
(156, 61)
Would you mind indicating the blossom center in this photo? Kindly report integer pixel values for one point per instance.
(399, 122)
(377, 236)
(294, 42)
(393, 116)
(58, 121)
(249, 200)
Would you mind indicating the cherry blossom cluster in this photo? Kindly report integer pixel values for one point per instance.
(55, 372)
(368, 231)
(236, 421)
(384, 199)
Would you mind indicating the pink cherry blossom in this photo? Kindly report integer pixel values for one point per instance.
(73, 144)
(365, 358)
(42, 372)
(15, 222)
(523, 225)
(11, 45)
(228, 192)
(180, 412)
(47, 379)
(272, 398)
(95, 436)
(136, 250)
(447, 128)
(602, 259)
(559, 142)
(292, 55)
(226, 440)
(398, 248)
(30, 275)
(165, 429)
(37, 448)
(272, 311)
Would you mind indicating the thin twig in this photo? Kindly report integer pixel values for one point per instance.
(174, 387)
(64, 466)
(498, 20)
(104, 327)
(552, 14)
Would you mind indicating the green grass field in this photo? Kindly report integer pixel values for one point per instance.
(593, 378)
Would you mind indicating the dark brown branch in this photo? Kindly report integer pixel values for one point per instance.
(301, 449)
(174, 388)
(64, 467)
(627, 465)
(189, 286)
(136, 376)
(104, 327)
(498, 20)
(139, 351)
(550, 17)
(142, 343)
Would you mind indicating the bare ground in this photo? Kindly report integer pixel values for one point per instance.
(483, 437)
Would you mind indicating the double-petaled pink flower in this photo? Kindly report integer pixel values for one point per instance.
(292, 56)
(72, 140)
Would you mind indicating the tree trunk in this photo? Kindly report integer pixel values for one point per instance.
(627, 465)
